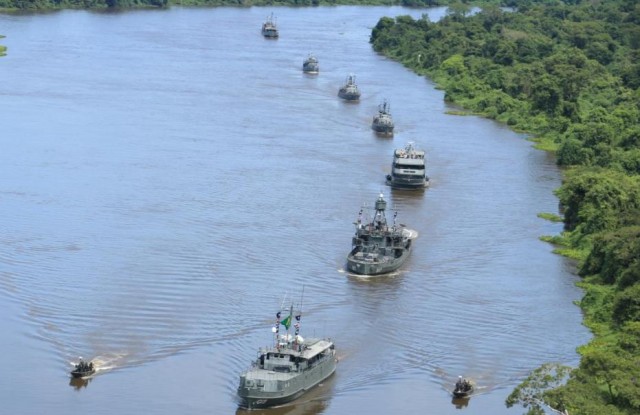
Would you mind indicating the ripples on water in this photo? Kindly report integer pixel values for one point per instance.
(167, 176)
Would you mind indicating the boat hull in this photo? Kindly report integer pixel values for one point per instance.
(407, 184)
(362, 267)
(254, 399)
(462, 393)
(382, 128)
(349, 96)
(82, 374)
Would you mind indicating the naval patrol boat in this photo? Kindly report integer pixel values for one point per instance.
(377, 247)
(382, 121)
(289, 368)
(408, 169)
(310, 65)
(349, 91)
(269, 28)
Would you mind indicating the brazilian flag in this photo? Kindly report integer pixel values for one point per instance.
(287, 321)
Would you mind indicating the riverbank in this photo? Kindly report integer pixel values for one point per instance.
(567, 75)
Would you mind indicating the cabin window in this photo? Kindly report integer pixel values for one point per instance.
(405, 166)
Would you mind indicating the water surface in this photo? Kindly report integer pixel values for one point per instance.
(167, 176)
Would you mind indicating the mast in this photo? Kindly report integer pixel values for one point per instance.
(381, 205)
(276, 330)
(297, 323)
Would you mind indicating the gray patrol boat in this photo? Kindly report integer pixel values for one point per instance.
(311, 65)
(349, 91)
(288, 369)
(270, 28)
(382, 121)
(378, 248)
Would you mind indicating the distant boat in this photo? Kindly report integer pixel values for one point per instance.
(349, 91)
(382, 121)
(310, 65)
(377, 247)
(289, 368)
(408, 169)
(269, 28)
(83, 369)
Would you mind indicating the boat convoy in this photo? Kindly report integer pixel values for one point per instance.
(289, 368)
(382, 121)
(293, 365)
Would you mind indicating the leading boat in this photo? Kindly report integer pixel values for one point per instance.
(349, 91)
(269, 28)
(378, 248)
(408, 169)
(288, 369)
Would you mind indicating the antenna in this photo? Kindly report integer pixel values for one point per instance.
(284, 300)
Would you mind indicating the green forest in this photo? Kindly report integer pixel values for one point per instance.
(568, 73)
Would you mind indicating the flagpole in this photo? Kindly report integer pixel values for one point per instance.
(290, 320)
(298, 317)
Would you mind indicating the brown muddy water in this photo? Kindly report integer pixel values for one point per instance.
(166, 177)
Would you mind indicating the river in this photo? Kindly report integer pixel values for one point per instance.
(167, 176)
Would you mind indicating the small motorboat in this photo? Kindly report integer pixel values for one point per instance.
(83, 369)
(463, 388)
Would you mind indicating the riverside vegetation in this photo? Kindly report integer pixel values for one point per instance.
(127, 4)
(567, 72)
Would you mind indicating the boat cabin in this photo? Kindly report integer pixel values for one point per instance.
(297, 357)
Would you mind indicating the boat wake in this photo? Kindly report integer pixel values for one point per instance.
(411, 233)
